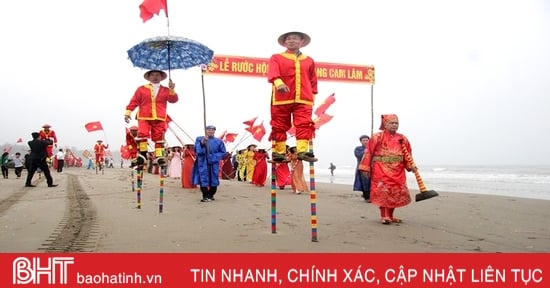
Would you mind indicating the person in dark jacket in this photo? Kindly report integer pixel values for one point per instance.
(361, 183)
(37, 159)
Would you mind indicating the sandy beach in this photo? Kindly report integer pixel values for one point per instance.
(90, 212)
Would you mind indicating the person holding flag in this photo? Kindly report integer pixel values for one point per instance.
(294, 86)
(99, 151)
(151, 100)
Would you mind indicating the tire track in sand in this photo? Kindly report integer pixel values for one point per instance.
(78, 229)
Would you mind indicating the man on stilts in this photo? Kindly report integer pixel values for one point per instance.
(292, 74)
(151, 100)
(294, 87)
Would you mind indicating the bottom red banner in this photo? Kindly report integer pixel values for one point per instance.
(274, 269)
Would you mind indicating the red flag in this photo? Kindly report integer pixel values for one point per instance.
(222, 136)
(168, 119)
(7, 149)
(250, 122)
(230, 137)
(124, 152)
(324, 106)
(149, 8)
(20, 140)
(257, 132)
(322, 120)
(93, 126)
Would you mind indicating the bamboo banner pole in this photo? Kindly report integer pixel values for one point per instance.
(188, 136)
(371, 110)
(177, 137)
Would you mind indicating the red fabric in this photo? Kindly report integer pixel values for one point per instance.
(100, 149)
(230, 137)
(20, 140)
(153, 129)
(303, 87)
(124, 152)
(281, 121)
(260, 169)
(322, 120)
(43, 135)
(283, 174)
(388, 180)
(93, 126)
(149, 8)
(324, 106)
(258, 132)
(187, 169)
(250, 122)
(151, 108)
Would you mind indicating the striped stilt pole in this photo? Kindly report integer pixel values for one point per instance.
(132, 179)
(139, 183)
(312, 196)
(161, 179)
(161, 192)
(273, 192)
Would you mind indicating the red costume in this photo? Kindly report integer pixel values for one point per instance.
(47, 133)
(260, 170)
(385, 161)
(297, 72)
(151, 114)
(283, 175)
(131, 143)
(99, 151)
(187, 170)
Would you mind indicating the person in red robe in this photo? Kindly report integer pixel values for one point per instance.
(294, 86)
(385, 164)
(226, 170)
(47, 133)
(282, 172)
(260, 170)
(189, 157)
(151, 100)
(131, 144)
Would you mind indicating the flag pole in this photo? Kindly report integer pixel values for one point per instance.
(371, 110)
(190, 138)
(203, 69)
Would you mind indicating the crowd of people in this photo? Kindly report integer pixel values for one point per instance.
(381, 161)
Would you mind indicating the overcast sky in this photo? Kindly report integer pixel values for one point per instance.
(468, 78)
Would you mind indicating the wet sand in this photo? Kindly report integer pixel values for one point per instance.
(90, 212)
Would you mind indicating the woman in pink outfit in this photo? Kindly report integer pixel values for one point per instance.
(174, 170)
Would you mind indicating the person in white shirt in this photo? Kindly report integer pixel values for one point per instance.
(60, 155)
(18, 164)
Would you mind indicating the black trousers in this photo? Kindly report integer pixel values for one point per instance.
(60, 164)
(35, 164)
(208, 192)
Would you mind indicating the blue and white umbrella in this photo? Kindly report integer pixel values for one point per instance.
(169, 52)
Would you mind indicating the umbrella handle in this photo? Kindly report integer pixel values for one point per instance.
(409, 159)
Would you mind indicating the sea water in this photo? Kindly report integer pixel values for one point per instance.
(516, 181)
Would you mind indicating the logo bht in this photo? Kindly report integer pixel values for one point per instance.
(31, 271)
